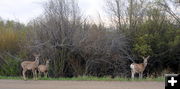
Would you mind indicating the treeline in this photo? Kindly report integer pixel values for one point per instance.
(78, 47)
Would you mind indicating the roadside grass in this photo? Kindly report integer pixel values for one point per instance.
(10, 77)
(89, 78)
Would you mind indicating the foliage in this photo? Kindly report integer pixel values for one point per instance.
(78, 47)
(12, 36)
(10, 67)
(12, 40)
(156, 38)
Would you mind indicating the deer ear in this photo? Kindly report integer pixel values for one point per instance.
(35, 54)
(147, 57)
(142, 56)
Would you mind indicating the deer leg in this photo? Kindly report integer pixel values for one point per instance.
(46, 74)
(24, 75)
(141, 74)
(39, 74)
(132, 74)
(35, 74)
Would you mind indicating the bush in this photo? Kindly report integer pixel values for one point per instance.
(10, 67)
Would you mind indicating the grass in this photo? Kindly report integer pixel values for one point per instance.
(89, 78)
(10, 77)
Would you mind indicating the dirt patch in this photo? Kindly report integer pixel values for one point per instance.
(48, 84)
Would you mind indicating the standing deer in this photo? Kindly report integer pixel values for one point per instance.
(139, 68)
(44, 68)
(31, 65)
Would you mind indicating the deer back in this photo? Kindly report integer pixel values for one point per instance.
(29, 65)
(137, 67)
(42, 68)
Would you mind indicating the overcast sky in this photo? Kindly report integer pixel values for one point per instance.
(25, 10)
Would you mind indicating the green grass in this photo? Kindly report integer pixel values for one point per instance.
(90, 78)
(10, 77)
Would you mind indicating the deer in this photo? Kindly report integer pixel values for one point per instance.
(44, 68)
(139, 67)
(30, 65)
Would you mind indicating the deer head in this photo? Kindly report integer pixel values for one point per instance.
(36, 56)
(145, 59)
(47, 61)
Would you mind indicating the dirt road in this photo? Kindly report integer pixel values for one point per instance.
(46, 84)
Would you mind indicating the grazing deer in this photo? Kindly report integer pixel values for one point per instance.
(139, 68)
(44, 68)
(31, 65)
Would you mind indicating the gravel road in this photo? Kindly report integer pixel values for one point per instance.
(48, 84)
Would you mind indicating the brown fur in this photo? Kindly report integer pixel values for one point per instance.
(30, 65)
(139, 68)
(43, 68)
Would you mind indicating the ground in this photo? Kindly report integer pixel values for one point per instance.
(52, 84)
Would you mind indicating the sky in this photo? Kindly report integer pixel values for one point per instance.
(26, 10)
(20, 10)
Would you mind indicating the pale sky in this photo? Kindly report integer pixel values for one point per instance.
(25, 10)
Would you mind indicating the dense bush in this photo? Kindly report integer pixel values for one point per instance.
(10, 67)
(79, 47)
(12, 41)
